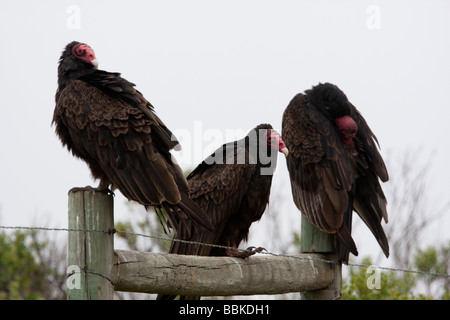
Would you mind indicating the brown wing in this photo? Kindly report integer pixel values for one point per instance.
(369, 148)
(218, 189)
(119, 88)
(368, 197)
(319, 167)
(124, 143)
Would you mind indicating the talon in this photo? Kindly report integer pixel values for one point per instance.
(108, 191)
(236, 253)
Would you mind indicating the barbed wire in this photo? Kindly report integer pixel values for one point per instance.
(264, 252)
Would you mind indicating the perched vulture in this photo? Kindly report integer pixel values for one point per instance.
(334, 166)
(106, 122)
(232, 186)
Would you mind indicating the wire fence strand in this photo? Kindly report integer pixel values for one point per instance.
(129, 233)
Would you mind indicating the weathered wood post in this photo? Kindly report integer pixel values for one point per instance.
(315, 241)
(90, 253)
(218, 276)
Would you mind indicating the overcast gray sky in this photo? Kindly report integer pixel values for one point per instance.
(213, 70)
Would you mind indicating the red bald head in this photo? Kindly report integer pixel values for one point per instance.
(274, 139)
(85, 53)
(347, 127)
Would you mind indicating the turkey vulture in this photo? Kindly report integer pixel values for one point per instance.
(106, 122)
(334, 166)
(232, 186)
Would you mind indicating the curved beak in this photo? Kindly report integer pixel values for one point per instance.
(285, 151)
(94, 62)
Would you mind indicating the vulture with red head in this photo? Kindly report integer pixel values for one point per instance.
(334, 166)
(232, 186)
(102, 119)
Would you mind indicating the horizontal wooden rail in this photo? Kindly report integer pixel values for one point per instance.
(147, 272)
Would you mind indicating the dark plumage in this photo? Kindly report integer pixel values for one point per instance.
(102, 119)
(334, 165)
(232, 186)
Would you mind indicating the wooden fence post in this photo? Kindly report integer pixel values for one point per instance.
(315, 241)
(90, 254)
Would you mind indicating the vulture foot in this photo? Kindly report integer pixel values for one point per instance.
(244, 254)
(92, 189)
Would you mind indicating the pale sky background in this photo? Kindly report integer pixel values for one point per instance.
(214, 68)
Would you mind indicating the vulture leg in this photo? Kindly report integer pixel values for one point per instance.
(103, 186)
